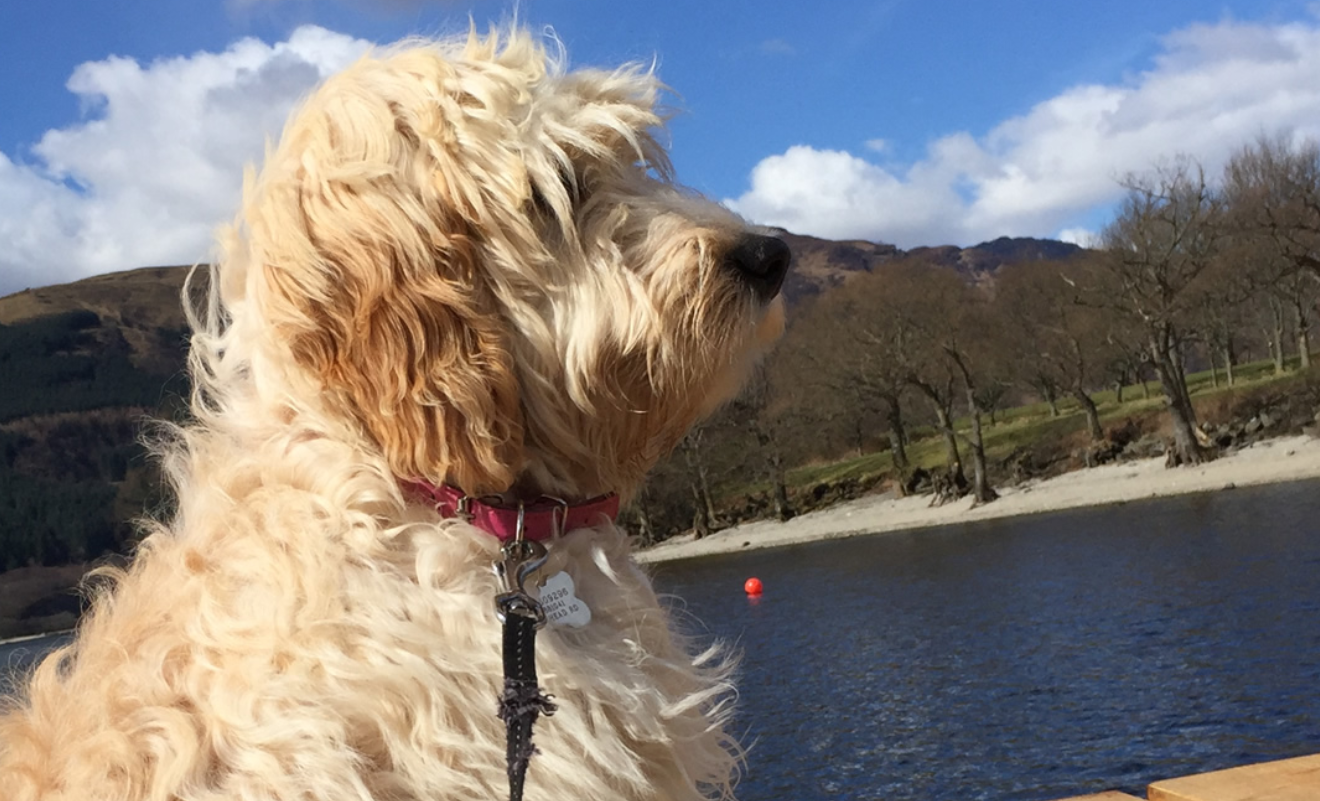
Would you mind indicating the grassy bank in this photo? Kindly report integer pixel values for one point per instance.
(1029, 441)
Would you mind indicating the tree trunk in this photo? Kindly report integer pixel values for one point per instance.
(774, 461)
(1118, 390)
(645, 528)
(783, 509)
(981, 489)
(700, 523)
(1179, 360)
(1052, 398)
(1186, 447)
(942, 403)
(1214, 371)
(898, 451)
(1228, 361)
(703, 517)
(1092, 414)
(704, 477)
(1303, 336)
(1276, 336)
(952, 457)
(897, 436)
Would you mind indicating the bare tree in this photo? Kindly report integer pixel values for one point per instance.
(763, 413)
(949, 336)
(1055, 340)
(916, 306)
(1232, 283)
(850, 349)
(704, 519)
(1160, 246)
(1273, 189)
(963, 362)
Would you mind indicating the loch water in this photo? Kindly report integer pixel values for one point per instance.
(1026, 658)
(17, 656)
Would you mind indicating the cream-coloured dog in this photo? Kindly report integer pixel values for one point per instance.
(463, 273)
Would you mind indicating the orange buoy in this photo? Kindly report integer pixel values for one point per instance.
(752, 586)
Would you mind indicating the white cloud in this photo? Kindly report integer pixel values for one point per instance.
(1212, 89)
(1083, 237)
(158, 161)
(777, 47)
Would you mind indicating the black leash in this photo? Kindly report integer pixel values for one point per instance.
(522, 701)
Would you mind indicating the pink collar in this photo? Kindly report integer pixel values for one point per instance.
(541, 519)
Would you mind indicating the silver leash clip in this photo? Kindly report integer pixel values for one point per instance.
(519, 559)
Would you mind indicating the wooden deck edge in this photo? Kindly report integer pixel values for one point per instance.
(1296, 779)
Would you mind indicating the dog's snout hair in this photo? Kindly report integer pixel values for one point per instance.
(466, 265)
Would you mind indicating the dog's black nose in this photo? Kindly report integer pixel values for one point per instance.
(761, 261)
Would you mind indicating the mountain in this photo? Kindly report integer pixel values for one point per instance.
(139, 310)
(83, 364)
(821, 264)
(980, 262)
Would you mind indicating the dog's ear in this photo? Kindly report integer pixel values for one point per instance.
(367, 234)
(380, 295)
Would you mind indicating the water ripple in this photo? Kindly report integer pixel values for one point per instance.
(1031, 658)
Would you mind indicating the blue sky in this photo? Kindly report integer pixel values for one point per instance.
(124, 124)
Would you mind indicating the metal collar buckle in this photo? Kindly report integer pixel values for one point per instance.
(560, 515)
(519, 559)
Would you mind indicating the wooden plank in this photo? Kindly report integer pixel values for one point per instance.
(1108, 795)
(1285, 780)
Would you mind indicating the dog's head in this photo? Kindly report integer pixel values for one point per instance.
(481, 259)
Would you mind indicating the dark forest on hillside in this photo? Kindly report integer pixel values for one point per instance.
(71, 466)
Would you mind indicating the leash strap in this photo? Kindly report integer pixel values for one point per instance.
(521, 528)
(522, 702)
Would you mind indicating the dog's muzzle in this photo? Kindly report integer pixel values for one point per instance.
(761, 262)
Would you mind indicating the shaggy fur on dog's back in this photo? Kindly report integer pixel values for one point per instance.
(461, 264)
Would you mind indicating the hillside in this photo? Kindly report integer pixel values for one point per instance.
(822, 264)
(979, 262)
(149, 294)
(140, 308)
(83, 365)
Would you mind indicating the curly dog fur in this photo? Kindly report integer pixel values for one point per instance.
(465, 264)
